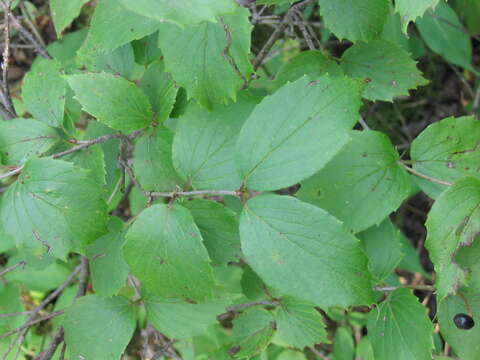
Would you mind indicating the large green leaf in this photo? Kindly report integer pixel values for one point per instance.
(299, 324)
(311, 63)
(362, 184)
(453, 222)
(97, 328)
(204, 144)
(304, 252)
(120, 61)
(383, 247)
(442, 31)
(390, 70)
(180, 319)
(54, 207)
(252, 332)
(114, 25)
(153, 161)
(108, 268)
(355, 20)
(410, 10)
(113, 100)
(447, 150)
(182, 12)
(210, 60)
(20, 139)
(219, 228)
(164, 249)
(465, 343)
(63, 13)
(91, 158)
(160, 89)
(400, 329)
(293, 133)
(45, 103)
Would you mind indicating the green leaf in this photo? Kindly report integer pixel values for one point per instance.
(65, 49)
(410, 10)
(252, 332)
(146, 49)
(114, 25)
(164, 249)
(465, 343)
(120, 61)
(355, 20)
(160, 89)
(442, 31)
(453, 222)
(53, 207)
(182, 13)
(114, 320)
(178, 319)
(210, 60)
(447, 150)
(400, 328)
(411, 260)
(91, 158)
(113, 100)
(204, 144)
(64, 12)
(383, 247)
(343, 346)
(362, 185)
(153, 161)
(290, 354)
(293, 133)
(364, 350)
(219, 228)
(108, 268)
(392, 31)
(21, 139)
(299, 324)
(45, 103)
(10, 302)
(311, 63)
(390, 69)
(302, 251)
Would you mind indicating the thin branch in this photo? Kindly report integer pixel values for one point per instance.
(7, 100)
(423, 176)
(413, 287)
(84, 273)
(251, 304)
(278, 32)
(11, 268)
(319, 354)
(16, 171)
(32, 323)
(195, 192)
(48, 353)
(303, 29)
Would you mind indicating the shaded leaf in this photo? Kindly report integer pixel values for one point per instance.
(64, 12)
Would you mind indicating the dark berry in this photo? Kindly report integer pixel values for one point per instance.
(463, 321)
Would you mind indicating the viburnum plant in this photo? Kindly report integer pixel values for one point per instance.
(170, 191)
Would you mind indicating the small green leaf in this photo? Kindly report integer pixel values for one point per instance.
(146, 49)
(410, 10)
(362, 185)
(204, 144)
(343, 345)
(182, 13)
(114, 25)
(10, 302)
(293, 133)
(252, 332)
(390, 70)
(160, 89)
(447, 150)
(45, 103)
(53, 207)
(113, 100)
(63, 13)
(178, 319)
(383, 247)
(108, 268)
(153, 161)
(65, 49)
(219, 228)
(311, 63)
(164, 249)
(400, 328)
(411, 260)
(355, 20)
(302, 251)
(210, 60)
(465, 343)
(21, 139)
(299, 324)
(442, 31)
(114, 320)
(453, 222)
(120, 61)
